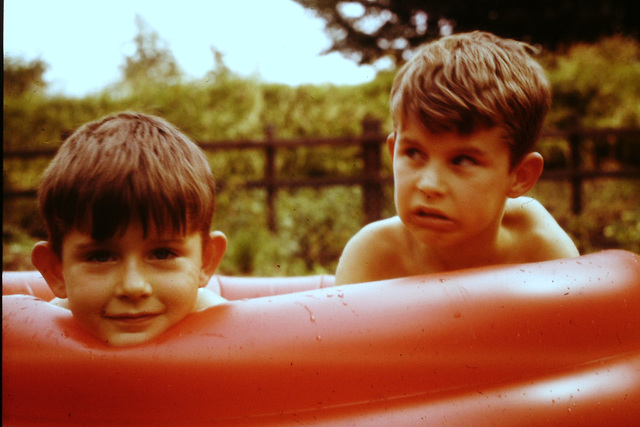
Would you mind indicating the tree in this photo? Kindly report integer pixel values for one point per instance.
(21, 77)
(366, 30)
(220, 71)
(152, 62)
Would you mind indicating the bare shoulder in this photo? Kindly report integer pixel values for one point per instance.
(372, 253)
(536, 231)
(60, 302)
(207, 298)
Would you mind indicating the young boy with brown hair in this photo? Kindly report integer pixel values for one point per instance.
(128, 202)
(467, 110)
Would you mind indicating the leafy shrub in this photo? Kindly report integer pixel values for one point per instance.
(594, 85)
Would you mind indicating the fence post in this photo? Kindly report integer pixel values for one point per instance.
(576, 177)
(371, 155)
(270, 177)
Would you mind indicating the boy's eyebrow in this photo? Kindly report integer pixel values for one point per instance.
(94, 242)
(90, 245)
(177, 241)
(167, 240)
(404, 140)
(470, 150)
(461, 148)
(99, 244)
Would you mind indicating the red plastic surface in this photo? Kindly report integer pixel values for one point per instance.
(549, 343)
(232, 288)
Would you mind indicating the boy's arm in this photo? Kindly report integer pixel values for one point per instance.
(351, 264)
(366, 257)
(207, 298)
(60, 302)
(546, 240)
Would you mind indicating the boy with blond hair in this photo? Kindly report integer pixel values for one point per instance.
(128, 202)
(467, 111)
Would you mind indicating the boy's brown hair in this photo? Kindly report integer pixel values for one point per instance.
(122, 168)
(468, 81)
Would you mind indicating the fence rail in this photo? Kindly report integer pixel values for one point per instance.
(373, 176)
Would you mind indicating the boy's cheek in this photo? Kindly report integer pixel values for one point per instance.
(87, 295)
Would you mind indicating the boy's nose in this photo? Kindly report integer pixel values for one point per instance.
(133, 283)
(431, 181)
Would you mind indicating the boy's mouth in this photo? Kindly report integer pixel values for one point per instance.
(133, 322)
(134, 316)
(431, 213)
(432, 219)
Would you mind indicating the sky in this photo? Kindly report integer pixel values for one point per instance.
(85, 42)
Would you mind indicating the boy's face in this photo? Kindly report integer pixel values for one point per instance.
(450, 188)
(129, 289)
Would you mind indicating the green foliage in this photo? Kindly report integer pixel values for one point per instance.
(152, 63)
(310, 236)
(21, 228)
(596, 85)
(317, 231)
(22, 78)
(368, 30)
(610, 217)
(314, 225)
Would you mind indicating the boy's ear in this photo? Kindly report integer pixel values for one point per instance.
(526, 174)
(391, 143)
(212, 254)
(49, 265)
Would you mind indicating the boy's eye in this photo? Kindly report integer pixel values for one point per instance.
(163, 254)
(413, 153)
(464, 161)
(100, 256)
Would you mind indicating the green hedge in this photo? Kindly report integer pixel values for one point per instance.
(594, 85)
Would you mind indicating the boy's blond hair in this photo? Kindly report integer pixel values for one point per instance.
(122, 168)
(468, 81)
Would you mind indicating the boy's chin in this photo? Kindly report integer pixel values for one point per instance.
(129, 339)
(129, 335)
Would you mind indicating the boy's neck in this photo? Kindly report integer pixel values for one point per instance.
(479, 251)
(458, 258)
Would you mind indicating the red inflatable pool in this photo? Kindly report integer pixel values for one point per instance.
(548, 343)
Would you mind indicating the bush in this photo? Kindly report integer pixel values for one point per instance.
(594, 85)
